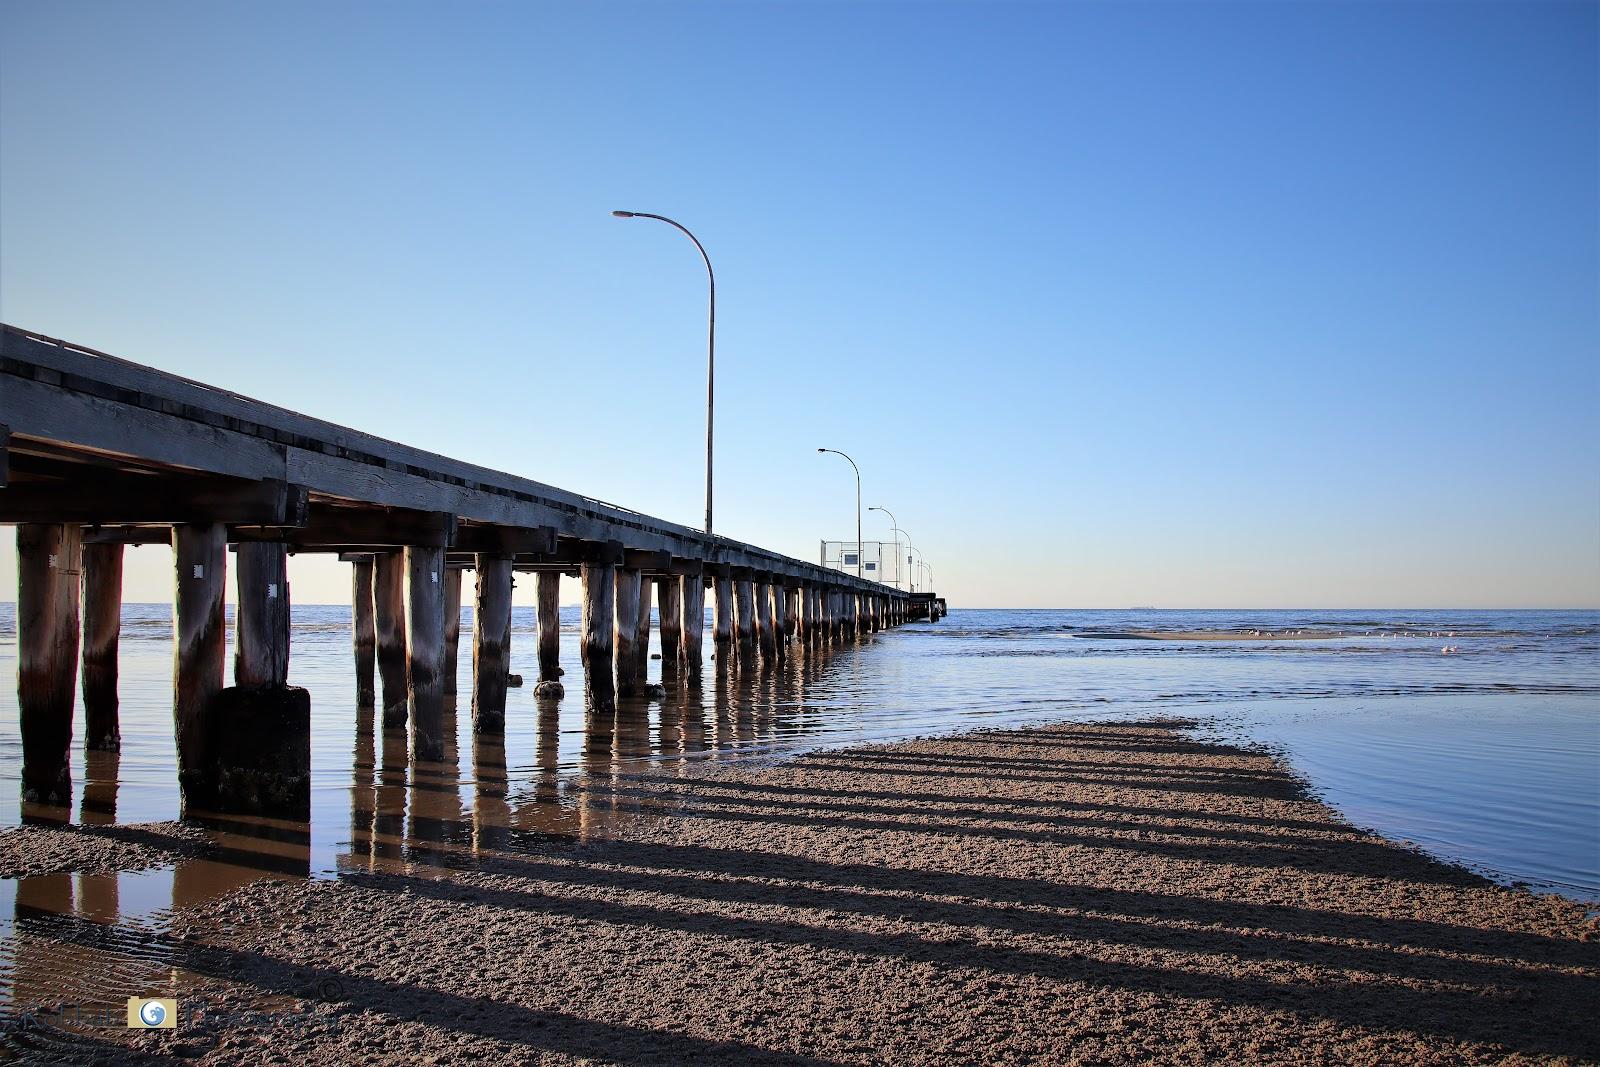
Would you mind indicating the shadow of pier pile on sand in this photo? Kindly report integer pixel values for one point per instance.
(1096, 893)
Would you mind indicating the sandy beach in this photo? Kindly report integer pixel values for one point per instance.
(1067, 894)
(1254, 634)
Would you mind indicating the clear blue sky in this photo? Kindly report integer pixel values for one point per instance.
(1178, 305)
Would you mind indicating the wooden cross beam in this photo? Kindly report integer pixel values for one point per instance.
(119, 500)
(647, 560)
(331, 528)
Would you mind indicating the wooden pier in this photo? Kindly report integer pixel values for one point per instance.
(97, 453)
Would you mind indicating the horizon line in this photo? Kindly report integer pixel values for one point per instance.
(1593, 608)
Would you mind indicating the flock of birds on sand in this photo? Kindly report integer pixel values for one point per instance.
(1447, 650)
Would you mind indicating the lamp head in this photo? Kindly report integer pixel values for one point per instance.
(623, 214)
(822, 450)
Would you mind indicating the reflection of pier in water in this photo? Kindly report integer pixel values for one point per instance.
(97, 454)
(89, 938)
(441, 813)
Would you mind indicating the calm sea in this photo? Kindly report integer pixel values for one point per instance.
(1487, 754)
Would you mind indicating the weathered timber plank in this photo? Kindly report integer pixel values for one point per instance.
(641, 639)
(549, 621)
(691, 654)
(506, 540)
(722, 622)
(364, 640)
(452, 629)
(669, 604)
(780, 615)
(389, 612)
(491, 645)
(36, 410)
(102, 632)
(328, 527)
(47, 657)
(744, 616)
(425, 650)
(766, 631)
(599, 599)
(261, 616)
(200, 554)
(145, 499)
(626, 641)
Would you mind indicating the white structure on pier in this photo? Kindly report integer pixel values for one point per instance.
(879, 560)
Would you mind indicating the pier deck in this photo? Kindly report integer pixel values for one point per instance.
(97, 452)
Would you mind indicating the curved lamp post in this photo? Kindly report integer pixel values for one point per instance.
(836, 452)
(895, 526)
(711, 337)
(918, 565)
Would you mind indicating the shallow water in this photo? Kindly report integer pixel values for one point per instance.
(1487, 755)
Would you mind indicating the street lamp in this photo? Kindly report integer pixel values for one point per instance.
(711, 337)
(836, 452)
(895, 526)
(909, 565)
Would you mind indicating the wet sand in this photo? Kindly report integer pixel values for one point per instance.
(1257, 634)
(1216, 635)
(37, 851)
(1107, 893)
